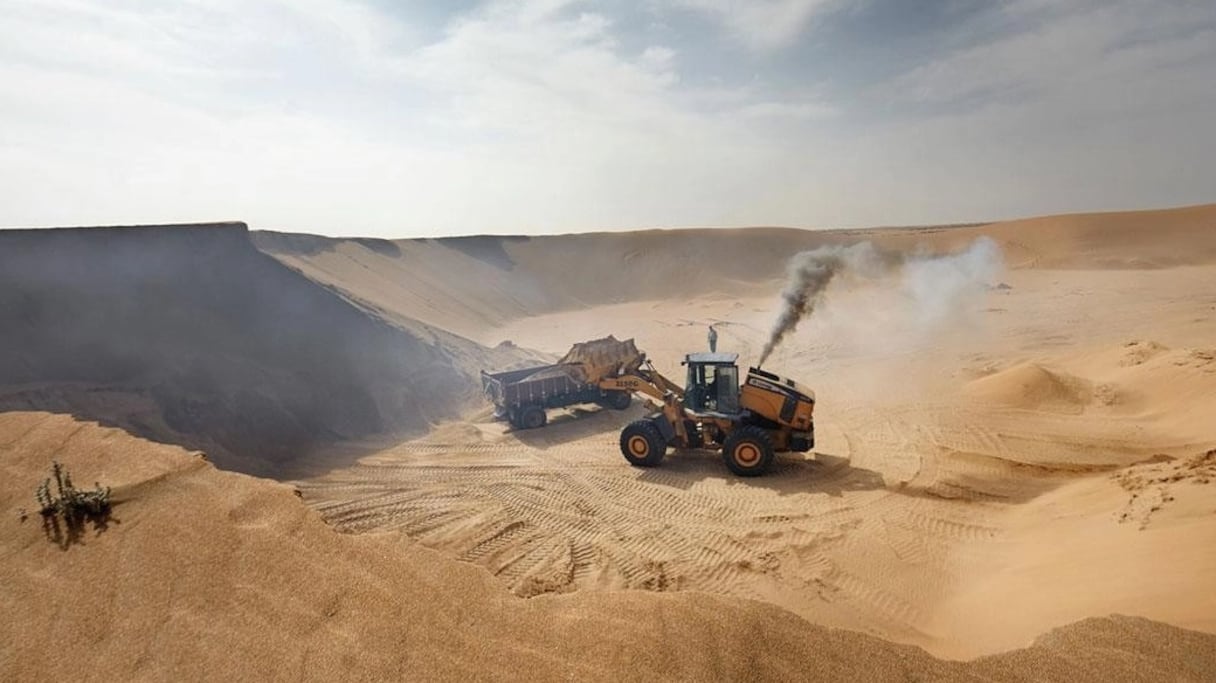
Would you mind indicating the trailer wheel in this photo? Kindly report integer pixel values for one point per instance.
(748, 451)
(618, 400)
(642, 445)
(533, 417)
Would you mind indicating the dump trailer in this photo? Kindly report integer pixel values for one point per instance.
(523, 396)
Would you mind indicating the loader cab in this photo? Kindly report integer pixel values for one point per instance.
(713, 383)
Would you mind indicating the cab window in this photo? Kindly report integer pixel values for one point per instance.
(727, 389)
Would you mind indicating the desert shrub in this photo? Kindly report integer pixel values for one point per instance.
(66, 509)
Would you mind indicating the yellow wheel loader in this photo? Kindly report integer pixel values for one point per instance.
(767, 415)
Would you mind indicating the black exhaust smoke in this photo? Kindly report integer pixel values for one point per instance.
(809, 274)
(934, 285)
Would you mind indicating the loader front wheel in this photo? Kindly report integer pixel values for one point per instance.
(642, 445)
(748, 451)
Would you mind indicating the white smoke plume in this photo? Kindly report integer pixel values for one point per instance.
(937, 284)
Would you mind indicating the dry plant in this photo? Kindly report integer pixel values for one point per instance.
(66, 510)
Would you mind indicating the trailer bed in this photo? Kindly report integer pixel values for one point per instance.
(522, 395)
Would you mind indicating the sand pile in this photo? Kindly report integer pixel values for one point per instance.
(1163, 391)
(188, 334)
(1032, 386)
(206, 575)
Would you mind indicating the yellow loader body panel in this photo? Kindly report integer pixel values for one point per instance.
(785, 402)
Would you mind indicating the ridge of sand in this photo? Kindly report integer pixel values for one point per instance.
(469, 284)
(207, 575)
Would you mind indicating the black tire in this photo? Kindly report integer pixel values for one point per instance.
(748, 451)
(532, 417)
(642, 444)
(618, 400)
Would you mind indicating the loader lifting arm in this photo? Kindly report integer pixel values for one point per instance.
(644, 379)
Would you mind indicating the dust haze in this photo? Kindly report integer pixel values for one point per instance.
(936, 287)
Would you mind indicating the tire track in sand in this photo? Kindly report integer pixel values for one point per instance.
(821, 535)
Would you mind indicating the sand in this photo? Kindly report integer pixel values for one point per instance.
(209, 575)
(986, 489)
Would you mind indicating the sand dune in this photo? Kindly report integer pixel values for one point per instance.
(989, 484)
(188, 334)
(208, 575)
(1032, 386)
(506, 278)
(1116, 240)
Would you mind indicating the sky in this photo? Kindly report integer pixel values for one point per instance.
(408, 118)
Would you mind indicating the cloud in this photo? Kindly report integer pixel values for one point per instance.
(525, 72)
(761, 25)
(556, 115)
(191, 112)
(1072, 107)
(1103, 44)
(514, 117)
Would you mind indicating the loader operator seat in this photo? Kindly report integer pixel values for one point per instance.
(700, 395)
(695, 398)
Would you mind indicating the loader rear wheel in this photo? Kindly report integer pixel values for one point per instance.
(642, 445)
(618, 400)
(533, 417)
(748, 451)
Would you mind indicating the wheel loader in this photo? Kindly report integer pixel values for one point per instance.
(749, 424)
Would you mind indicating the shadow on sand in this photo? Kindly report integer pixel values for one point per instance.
(792, 473)
(576, 424)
